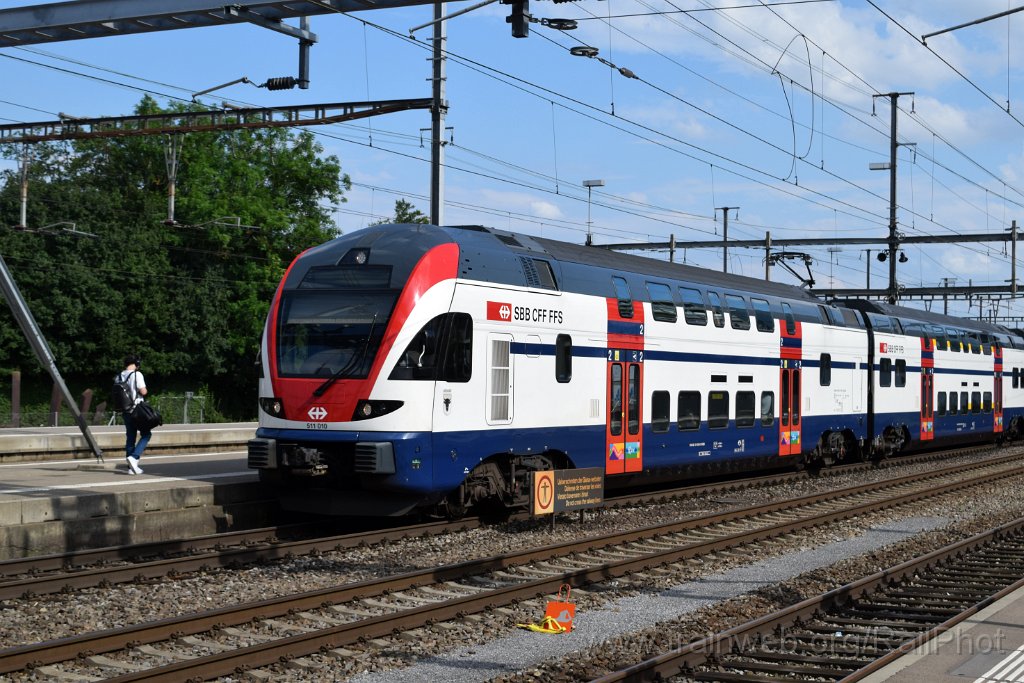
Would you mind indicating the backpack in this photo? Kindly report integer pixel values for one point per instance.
(121, 393)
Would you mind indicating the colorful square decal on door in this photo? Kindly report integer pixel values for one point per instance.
(632, 449)
(615, 451)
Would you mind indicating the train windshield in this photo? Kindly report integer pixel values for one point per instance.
(331, 333)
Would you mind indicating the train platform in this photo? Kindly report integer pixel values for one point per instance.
(986, 648)
(55, 496)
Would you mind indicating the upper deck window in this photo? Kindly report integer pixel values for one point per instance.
(739, 316)
(662, 305)
(623, 295)
(693, 306)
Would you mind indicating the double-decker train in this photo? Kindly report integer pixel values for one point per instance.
(434, 369)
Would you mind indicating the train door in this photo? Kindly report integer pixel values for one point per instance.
(997, 395)
(790, 376)
(927, 389)
(624, 428)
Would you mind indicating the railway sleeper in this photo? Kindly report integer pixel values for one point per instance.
(788, 669)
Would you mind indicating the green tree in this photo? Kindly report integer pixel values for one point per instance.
(192, 296)
(405, 212)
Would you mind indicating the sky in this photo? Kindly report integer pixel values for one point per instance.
(774, 109)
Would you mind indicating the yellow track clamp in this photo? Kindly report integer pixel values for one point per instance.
(547, 625)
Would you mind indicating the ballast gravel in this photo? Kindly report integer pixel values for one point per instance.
(525, 649)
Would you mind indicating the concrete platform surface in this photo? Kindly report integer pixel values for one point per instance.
(986, 648)
(61, 505)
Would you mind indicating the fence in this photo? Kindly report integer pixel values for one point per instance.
(184, 409)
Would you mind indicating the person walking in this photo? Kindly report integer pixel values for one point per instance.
(134, 446)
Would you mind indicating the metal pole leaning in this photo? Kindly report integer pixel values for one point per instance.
(42, 350)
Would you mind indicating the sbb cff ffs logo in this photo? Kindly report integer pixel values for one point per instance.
(498, 310)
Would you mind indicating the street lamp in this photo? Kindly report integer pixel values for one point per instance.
(590, 185)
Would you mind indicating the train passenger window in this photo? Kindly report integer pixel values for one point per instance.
(1016, 378)
(718, 409)
(823, 315)
(745, 408)
(660, 406)
(739, 316)
(689, 410)
(953, 405)
(850, 317)
(975, 343)
(897, 326)
(953, 337)
(975, 401)
(825, 370)
(937, 333)
(787, 313)
(563, 358)
(716, 309)
(767, 408)
(615, 402)
(986, 405)
(941, 408)
(624, 297)
(885, 372)
(693, 306)
(663, 307)
(763, 315)
(880, 323)
(986, 344)
(633, 404)
(901, 372)
(964, 405)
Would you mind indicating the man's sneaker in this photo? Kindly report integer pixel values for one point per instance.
(133, 465)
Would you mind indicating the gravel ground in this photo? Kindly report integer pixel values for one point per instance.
(55, 616)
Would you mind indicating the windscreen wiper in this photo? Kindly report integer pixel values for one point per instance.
(348, 367)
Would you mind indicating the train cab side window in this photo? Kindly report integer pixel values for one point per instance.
(745, 408)
(940, 409)
(825, 370)
(718, 409)
(661, 403)
(716, 309)
(763, 315)
(563, 358)
(767, 408)
(739, 316)
(624, 296)
(663, 307)
(787, 313)
(442, 349)
(458, 353)
(885, 372)
(689, 410)
(694, 311)
(901, 372)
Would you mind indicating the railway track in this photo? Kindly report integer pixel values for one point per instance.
(857, 629)
(32, 576)
(305, 628)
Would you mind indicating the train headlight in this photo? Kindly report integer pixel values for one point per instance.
(366, 409)
(272, 406)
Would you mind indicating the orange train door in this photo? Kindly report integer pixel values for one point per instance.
(790, 376)
(927, 389)
(624, 430)
(624, 399)
(997, 405)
